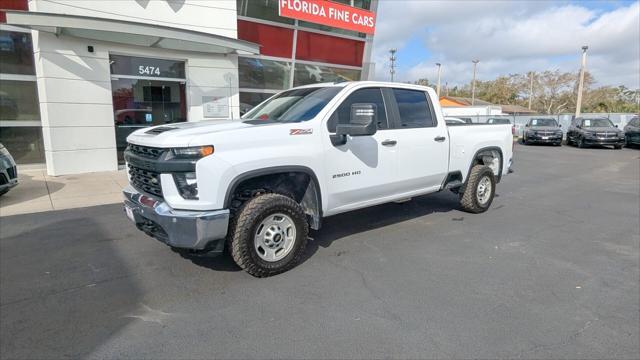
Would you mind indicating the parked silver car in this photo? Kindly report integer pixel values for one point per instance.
(8, 171)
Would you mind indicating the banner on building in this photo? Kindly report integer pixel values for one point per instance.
(329, 13)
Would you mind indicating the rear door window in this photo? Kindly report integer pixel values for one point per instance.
(342, 115)
(413, 108)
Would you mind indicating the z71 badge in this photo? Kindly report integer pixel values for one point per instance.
(300, 131)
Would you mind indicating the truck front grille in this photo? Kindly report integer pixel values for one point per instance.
(145, 151)
(145, 180)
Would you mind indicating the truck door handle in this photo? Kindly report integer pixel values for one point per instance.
(389, 142)
(439, 138)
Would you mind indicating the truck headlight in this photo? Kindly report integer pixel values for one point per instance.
(194, 152)
(187, 185)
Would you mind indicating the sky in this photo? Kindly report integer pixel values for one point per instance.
(508, 37)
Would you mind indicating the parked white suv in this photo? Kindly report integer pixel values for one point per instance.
(259, 184)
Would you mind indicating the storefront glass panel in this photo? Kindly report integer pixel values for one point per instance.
(261, 9)
(140, 103)
(329, 49)
(24, 143)
(146, 67)
(263, 74)
(19, 101)
(273, 40)
(16, 52)
(311, 74)
(250, 99)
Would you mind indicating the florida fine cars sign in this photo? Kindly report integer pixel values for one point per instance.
(329, 13)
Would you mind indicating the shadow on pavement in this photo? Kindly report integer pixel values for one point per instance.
(64, 289)
(222, 262)
(343, 225)
(28, 189)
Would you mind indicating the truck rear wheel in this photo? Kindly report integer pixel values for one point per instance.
(268, 235)
(479, 190)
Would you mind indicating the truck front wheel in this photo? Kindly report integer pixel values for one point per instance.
(479, 191)
(268, 235)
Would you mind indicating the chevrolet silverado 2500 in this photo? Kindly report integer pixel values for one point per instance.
(257, 185)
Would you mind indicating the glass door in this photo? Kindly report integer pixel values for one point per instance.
(143, 103)
(146, 92)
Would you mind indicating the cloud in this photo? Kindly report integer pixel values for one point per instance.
(508, 37)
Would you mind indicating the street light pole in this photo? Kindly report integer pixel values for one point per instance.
(473, 85)
(438, 86)
(392, 58)
(583, 66)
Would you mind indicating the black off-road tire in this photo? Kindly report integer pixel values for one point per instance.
(617, 147)
(468, 199)
(242, 228)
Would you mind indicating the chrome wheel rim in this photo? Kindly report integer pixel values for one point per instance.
(274, 237)
(484, 190)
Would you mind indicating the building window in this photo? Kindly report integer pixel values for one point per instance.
(16, 52)
(311, 74)
(250, 99)
(255, 73)
(261, 9)
(273, 40)
(20, 128)
(331, 29)
(19, 101)
(24, 143)
(329, 49)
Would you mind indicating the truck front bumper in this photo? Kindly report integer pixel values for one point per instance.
(202, 231)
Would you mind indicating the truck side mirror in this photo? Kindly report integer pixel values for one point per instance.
(615, 125)
(559, 125)
(527, 125)
(363, 121)
(579, 126)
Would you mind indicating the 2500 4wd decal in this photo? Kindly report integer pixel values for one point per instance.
(345, 174)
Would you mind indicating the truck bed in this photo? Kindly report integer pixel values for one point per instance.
(467, 139)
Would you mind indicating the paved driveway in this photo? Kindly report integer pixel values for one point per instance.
(550, 271)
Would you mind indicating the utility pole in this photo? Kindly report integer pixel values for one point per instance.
(583, 65)
(392, 58)
(530, 88)
(473, 84)
(446, 88)
(438, 86)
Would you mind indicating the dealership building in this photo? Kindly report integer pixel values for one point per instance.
(76, 77)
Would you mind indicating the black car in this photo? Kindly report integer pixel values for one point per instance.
(542, 131)
(584, 132)
(632, 132)
(8, 171)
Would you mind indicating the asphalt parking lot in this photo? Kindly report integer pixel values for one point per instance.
(550, 271)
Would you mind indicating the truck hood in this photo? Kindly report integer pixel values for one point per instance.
(182, 134)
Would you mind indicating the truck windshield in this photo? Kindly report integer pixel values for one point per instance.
(543, 122)
(597, 123)
(292, 106)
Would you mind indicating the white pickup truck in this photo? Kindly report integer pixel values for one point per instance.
(257, 185)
